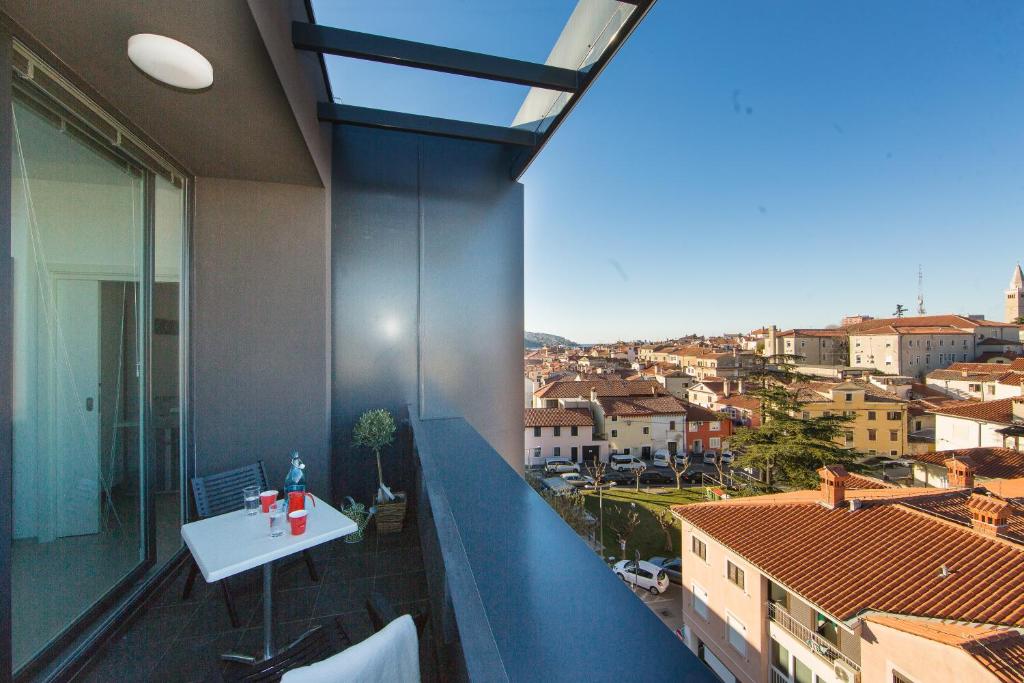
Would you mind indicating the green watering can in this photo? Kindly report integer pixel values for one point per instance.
(358, 513)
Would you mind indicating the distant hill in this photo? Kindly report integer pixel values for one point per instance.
(535, 340)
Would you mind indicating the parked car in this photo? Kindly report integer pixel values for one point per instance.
(657, 477)
(681, 459)
(625, 463)
(578, 480)
(559, 465)
(727, 457)
(709, 458)
(647, 576)
(673, 566)
(661, 458)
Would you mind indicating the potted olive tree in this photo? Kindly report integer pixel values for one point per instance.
(376, 430)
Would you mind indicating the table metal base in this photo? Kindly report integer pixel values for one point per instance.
(268, 622)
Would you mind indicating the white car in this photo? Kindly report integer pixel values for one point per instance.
(681, 459)
(626, 463)
(709, 458)
(559, 465)
(727, 457)
(579, 480)
(647, 576)
(661, 458)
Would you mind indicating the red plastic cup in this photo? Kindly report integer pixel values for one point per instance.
(297, 519)
(267, 499)
(297, 500)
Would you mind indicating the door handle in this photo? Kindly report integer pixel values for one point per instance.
(88, 404)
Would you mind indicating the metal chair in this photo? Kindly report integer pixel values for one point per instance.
(216, 494)
(382, 613)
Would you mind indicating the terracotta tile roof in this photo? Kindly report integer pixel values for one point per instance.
(988, 341)
(820, 391)
(1011, 379)
(953, 320)
(1017, 364)
(993, 372)
(638, 407)
(812, 332)
(885, 556)
(999, 411)
(861, 482)
(741, 401)
(695, 413)
(1000, 650)
(558, 417)
(995, 357)
(990, 462)
(604, 387)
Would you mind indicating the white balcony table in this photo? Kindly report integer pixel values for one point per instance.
(228, 544)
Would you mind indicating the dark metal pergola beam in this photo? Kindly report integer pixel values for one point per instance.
(425, 125)
(337, 41)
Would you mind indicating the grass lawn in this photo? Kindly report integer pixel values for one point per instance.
(648, 538)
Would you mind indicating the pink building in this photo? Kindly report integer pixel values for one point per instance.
(850, 583)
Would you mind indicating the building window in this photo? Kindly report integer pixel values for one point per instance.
(575, 452)
(647, 430)
(615, 418)
(872, 434)
(737, 634)
(871, 415)
(536, 452)
(575, 431)
(802, 672)
(699, 548)
(558, 431)
(849, 397)
(615, 432)
(715, 442)
(716, 426)
(973, 387)
(805, 415)
(536, 431)
(672, 425)
(897, 677)
(894, 435)
(893, 415)
(735, 574)
(558, 451)
(700, 601)
(693, 426)
(625, 451)
(778, 595)
(780, 657)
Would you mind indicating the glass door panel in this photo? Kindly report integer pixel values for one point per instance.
(77, 242)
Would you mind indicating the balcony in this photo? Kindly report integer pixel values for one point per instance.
(821, 647)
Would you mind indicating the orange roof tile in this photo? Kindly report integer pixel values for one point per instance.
(558, 417)
(638, 407)
(885, 556)
(990, 462)
(998, 411)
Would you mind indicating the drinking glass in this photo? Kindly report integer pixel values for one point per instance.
(251, 496)
(277, 518)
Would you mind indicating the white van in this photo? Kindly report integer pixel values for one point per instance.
(661, 458)
(626, 463)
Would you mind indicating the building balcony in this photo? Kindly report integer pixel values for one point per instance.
(818, 645)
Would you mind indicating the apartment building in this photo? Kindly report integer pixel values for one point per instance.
(641, 425)
(917, 345)
(706, 430)
(809, 346)
(744, 410)
(879, 420)
(566, 432)
(998, 423)
(786, 588)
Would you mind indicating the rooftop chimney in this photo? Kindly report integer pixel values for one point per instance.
(960, 472)
(833, 485)
(989, 515)
(725, 388)
(593, 395)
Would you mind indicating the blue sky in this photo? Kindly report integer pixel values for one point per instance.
(743, 163)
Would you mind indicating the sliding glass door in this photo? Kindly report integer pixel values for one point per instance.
(96, 239)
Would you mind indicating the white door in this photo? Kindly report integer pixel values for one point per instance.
(77, 427)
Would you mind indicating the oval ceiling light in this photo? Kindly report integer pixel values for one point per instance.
(170, 61)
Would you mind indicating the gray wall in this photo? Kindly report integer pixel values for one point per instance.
(6, 352)
(427, 291)
(259, 327)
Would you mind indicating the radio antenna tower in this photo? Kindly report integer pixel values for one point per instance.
(920, 290)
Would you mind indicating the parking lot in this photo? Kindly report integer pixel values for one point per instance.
(668, 606)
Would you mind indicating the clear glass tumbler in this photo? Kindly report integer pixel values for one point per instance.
(278, 517)
(251, 496)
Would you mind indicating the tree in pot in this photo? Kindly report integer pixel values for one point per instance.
(376, 430)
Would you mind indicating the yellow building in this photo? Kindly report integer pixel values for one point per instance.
(879, 423)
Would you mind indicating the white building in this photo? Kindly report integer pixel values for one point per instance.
(561, 432)
(974, 425)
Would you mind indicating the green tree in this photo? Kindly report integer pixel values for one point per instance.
(376, 430)
(788, 445)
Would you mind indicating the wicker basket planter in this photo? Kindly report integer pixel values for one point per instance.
(391, 515)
